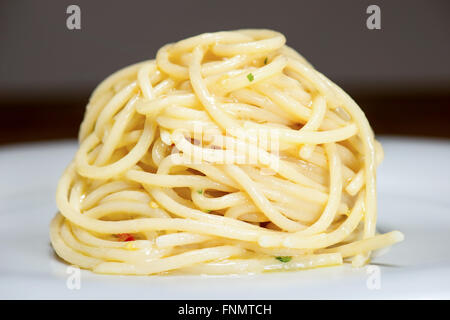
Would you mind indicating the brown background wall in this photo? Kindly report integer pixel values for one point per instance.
(400, 75)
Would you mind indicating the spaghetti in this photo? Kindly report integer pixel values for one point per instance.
(228, 153)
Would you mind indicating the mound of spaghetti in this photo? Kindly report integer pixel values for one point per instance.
(228, 153)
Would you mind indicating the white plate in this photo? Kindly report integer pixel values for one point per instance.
(414, 197)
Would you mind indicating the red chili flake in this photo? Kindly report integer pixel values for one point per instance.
(195, 142)
(125, 237)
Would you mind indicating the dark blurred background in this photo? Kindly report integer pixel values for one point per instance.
(400, 75)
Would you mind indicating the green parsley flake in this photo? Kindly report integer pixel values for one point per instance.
(284, 259)
(200, 191)
(250, 77)
(265, 60)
